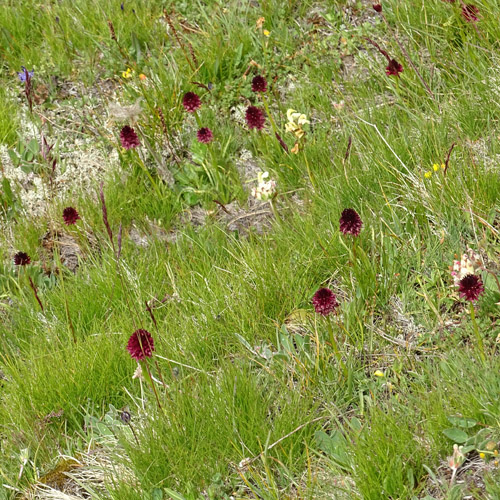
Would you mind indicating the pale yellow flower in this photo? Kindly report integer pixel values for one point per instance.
(266, 33)
(295, 122)
(427, 175)
(128, 73)
(435, 167)
(379, 373)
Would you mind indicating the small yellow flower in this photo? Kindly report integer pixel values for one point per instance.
(266, 32)
(443, 166)
(379, 373)
(128, 73)
(142, 76)
(495, 463)
(295, 149)
(482, 456)
(495, 453)
(427, 175)
(435, 167)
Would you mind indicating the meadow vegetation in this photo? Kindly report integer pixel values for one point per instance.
(250, 249)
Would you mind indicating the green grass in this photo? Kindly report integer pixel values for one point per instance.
(250, 399)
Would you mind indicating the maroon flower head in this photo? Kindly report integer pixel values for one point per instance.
(470, 12)
(140, 345)
(70, 216)
(470, 287)
(205, 135)
(21, 259)
(350, 222)
(377, 7)
(394, 68)
(259, 84)
(191, 102)
(324, 301)
(129, 138)
(255, 117)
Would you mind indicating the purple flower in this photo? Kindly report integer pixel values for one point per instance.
(129, 138)
(70, 216)
(394, 68)
(259, 84)
(350, 222)
(21, 259)
(470, 287)
(25, 74)
(324, 301)
(255, 117)
(140, 345)
(191, 102)
(470, 12)
(205, 135)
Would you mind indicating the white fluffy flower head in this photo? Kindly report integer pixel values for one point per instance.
(266, 188)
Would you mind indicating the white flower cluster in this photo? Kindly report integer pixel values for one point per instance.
(266, 188)
(468, 264)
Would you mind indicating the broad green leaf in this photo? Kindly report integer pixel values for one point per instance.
(465, 423)
(456, 435)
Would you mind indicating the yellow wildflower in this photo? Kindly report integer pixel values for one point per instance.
(295, 149)
(142, 76)
(266, 33)
(482, 456)
(127, 74)
(295, 122)
(427, 174)
(443, 166)
(379, 373)
(435, 167)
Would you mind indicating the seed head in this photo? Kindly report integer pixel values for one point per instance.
(21, 259)
(140, 345)
(377, 7)
(259, 84)
(70, 216)
(205, 135)
(350, 222)
(470, 287)
(324, 301)
(129, 138)
(255, 117)
(191, 102)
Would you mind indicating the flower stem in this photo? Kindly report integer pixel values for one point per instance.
(476, 332)
(152, 384)
(336, 348)
(309, 173)
(270, 116)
